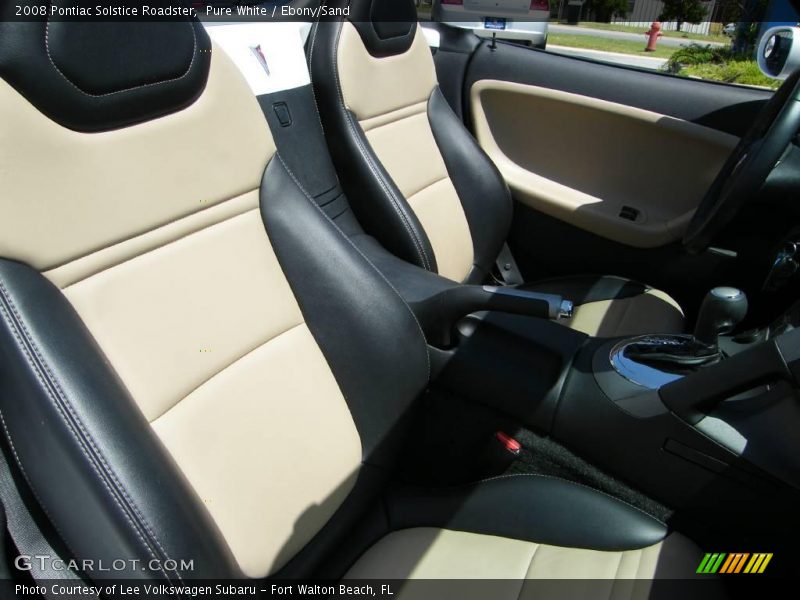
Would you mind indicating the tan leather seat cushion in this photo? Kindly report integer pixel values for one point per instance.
(431, 553)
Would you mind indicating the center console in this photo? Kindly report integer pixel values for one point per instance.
(705, 423)
(706, 438)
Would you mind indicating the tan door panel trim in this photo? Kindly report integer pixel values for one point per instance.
(581, 159)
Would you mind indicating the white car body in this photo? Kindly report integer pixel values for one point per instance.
(521, 20)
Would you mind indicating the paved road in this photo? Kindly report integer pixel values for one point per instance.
(623, 35)
(644, 62)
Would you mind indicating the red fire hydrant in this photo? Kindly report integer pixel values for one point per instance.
(652, 36)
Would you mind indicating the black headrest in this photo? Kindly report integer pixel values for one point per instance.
(101, 75)
(386, 27)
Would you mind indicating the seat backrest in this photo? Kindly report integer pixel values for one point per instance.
(175, 380)
(416, 178)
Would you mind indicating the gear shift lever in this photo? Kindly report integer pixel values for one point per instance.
(722, 309)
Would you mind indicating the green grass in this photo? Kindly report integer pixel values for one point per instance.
(718, 64)
(743, 72)
(608, 45)
(674, 34)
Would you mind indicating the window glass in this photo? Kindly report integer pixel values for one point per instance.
(706, 39)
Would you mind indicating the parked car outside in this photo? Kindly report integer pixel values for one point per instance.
(519, 20)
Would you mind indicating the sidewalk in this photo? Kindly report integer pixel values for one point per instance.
(623, 35)
(643, 62)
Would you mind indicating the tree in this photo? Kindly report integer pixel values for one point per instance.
(748, 15)
(603, 10)
(683, 11)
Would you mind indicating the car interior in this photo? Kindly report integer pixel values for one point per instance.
(371, 299)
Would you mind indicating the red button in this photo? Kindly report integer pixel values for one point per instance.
(508, 442)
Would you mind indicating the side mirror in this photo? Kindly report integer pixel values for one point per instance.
(778, 52)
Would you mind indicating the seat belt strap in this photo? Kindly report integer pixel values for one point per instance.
(24, 530)
(507, 267)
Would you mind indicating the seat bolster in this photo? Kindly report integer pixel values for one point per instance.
(481, 188)
(375, 198)
(533, 508)
(76, 434)
(372, 341)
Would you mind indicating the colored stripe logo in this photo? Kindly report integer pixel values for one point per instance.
(737, 562)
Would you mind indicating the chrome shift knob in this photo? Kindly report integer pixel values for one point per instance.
(722, 309)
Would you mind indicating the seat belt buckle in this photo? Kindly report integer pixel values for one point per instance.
(507, 269)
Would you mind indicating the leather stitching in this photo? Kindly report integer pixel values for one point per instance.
(136, 87)
(390, 194)
(422, 105)
(429, 185)
(19, 330)
(396, 204)
(314, 29)
(364, 256)
(476, 267)
(224, 368)
(134, 255)
(91, 453)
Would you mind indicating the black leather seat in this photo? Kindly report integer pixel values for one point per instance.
(186, 371)
(417, 179)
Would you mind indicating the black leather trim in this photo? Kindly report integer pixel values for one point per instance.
(374, 197)
(104, 75)
(456, 47)
(414, 284)
(302, 146)
(582, 289)
(506, 346)
(85, 448)
(118, 57)
(369, 336)
(386, 28)
(481, 188)
(535, 508)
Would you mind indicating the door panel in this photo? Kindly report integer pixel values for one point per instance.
(628, 174)
(724, 107)
(587, 138)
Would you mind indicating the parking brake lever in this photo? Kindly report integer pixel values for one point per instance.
(515, 300)
(446, 308)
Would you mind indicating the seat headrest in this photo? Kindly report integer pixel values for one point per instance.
(101, 75)
(386, 27)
